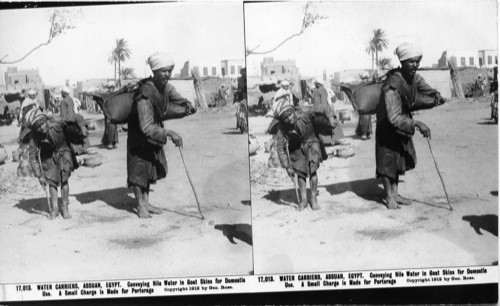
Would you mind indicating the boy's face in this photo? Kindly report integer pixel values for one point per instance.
(41, 127)
(289, 121)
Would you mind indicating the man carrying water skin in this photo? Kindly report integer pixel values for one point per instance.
(394, 149)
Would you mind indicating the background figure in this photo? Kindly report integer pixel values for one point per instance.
(110, 136)
(364, 127)
(321, 105)
(67, 107)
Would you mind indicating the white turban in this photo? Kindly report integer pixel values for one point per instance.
(31, 92)
(319, 81)
(160, 60)
(66, 90)
(284, 83)
(33, 115)
(408, 50)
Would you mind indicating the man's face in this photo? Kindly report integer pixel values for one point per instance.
(410, 66)
(163, 75)
(285, 87)
(32, 97)
(317, 85)
(63, 94)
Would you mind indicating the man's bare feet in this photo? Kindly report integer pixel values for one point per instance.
(403, 201)
(154, 210)
(392, 204)
(142, 212)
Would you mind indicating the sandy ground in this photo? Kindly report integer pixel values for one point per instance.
(106, 240)
(355, 231)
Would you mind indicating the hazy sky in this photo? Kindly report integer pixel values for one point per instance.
(339, 42)
(197, 31)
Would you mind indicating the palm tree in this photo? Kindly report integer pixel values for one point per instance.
(385, 63)
(376, 45)
(127, 73)
(121, 52)
(370, 49)
(379, 42)
(112, 60)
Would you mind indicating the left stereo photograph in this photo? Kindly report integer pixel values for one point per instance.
(123, 143)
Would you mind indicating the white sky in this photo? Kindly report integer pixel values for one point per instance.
(196, 31)
(339, 42)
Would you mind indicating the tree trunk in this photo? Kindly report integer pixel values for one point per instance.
(119, 75)
(201, 101)
(372, 60)
(376, 60)
(115, 72)
(457, 91)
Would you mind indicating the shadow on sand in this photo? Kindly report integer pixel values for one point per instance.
(367, 189)
(488, 223)
(285, 197)
(240, 231)
(232, 131)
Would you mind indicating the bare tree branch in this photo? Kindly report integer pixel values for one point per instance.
(59, 23)
(308, 20)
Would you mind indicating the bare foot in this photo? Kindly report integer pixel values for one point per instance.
(65, 212)
(154, 210)
(314, 204)
(392, 204)
(302, 206)
(403, 201)
(142, 211)
(53, 214)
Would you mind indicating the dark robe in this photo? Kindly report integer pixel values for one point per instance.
(146, 160)
(303, 145)
(394, 149)
(56, 156)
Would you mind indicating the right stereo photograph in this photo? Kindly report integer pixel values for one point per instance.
(373, 134)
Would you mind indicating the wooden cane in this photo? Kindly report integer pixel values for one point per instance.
(192, 186)
(295, 179)
(439, 173)
(45, 188)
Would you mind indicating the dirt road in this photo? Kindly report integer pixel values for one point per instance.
(106, 240)
(355, 231)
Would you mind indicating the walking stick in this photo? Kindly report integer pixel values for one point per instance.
(45, 188)
(439, 173)
(295, 182)
(192, 186)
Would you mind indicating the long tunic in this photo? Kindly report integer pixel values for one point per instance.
(394, 149)
(321, 105)
(303, 145)
(146, 160)
(67, 108)
(55, 155)
(364, 126)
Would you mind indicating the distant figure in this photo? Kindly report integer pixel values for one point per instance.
(364, 128)
(67, 108)
(321, 105)
(110, 136)
(478, 86)
(221, 96)
(282, 96)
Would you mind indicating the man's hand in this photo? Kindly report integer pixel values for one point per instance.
(291, 172)
(42, 181)
(190, 109)
(439, 99)
(176, 139)
(424, 129)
